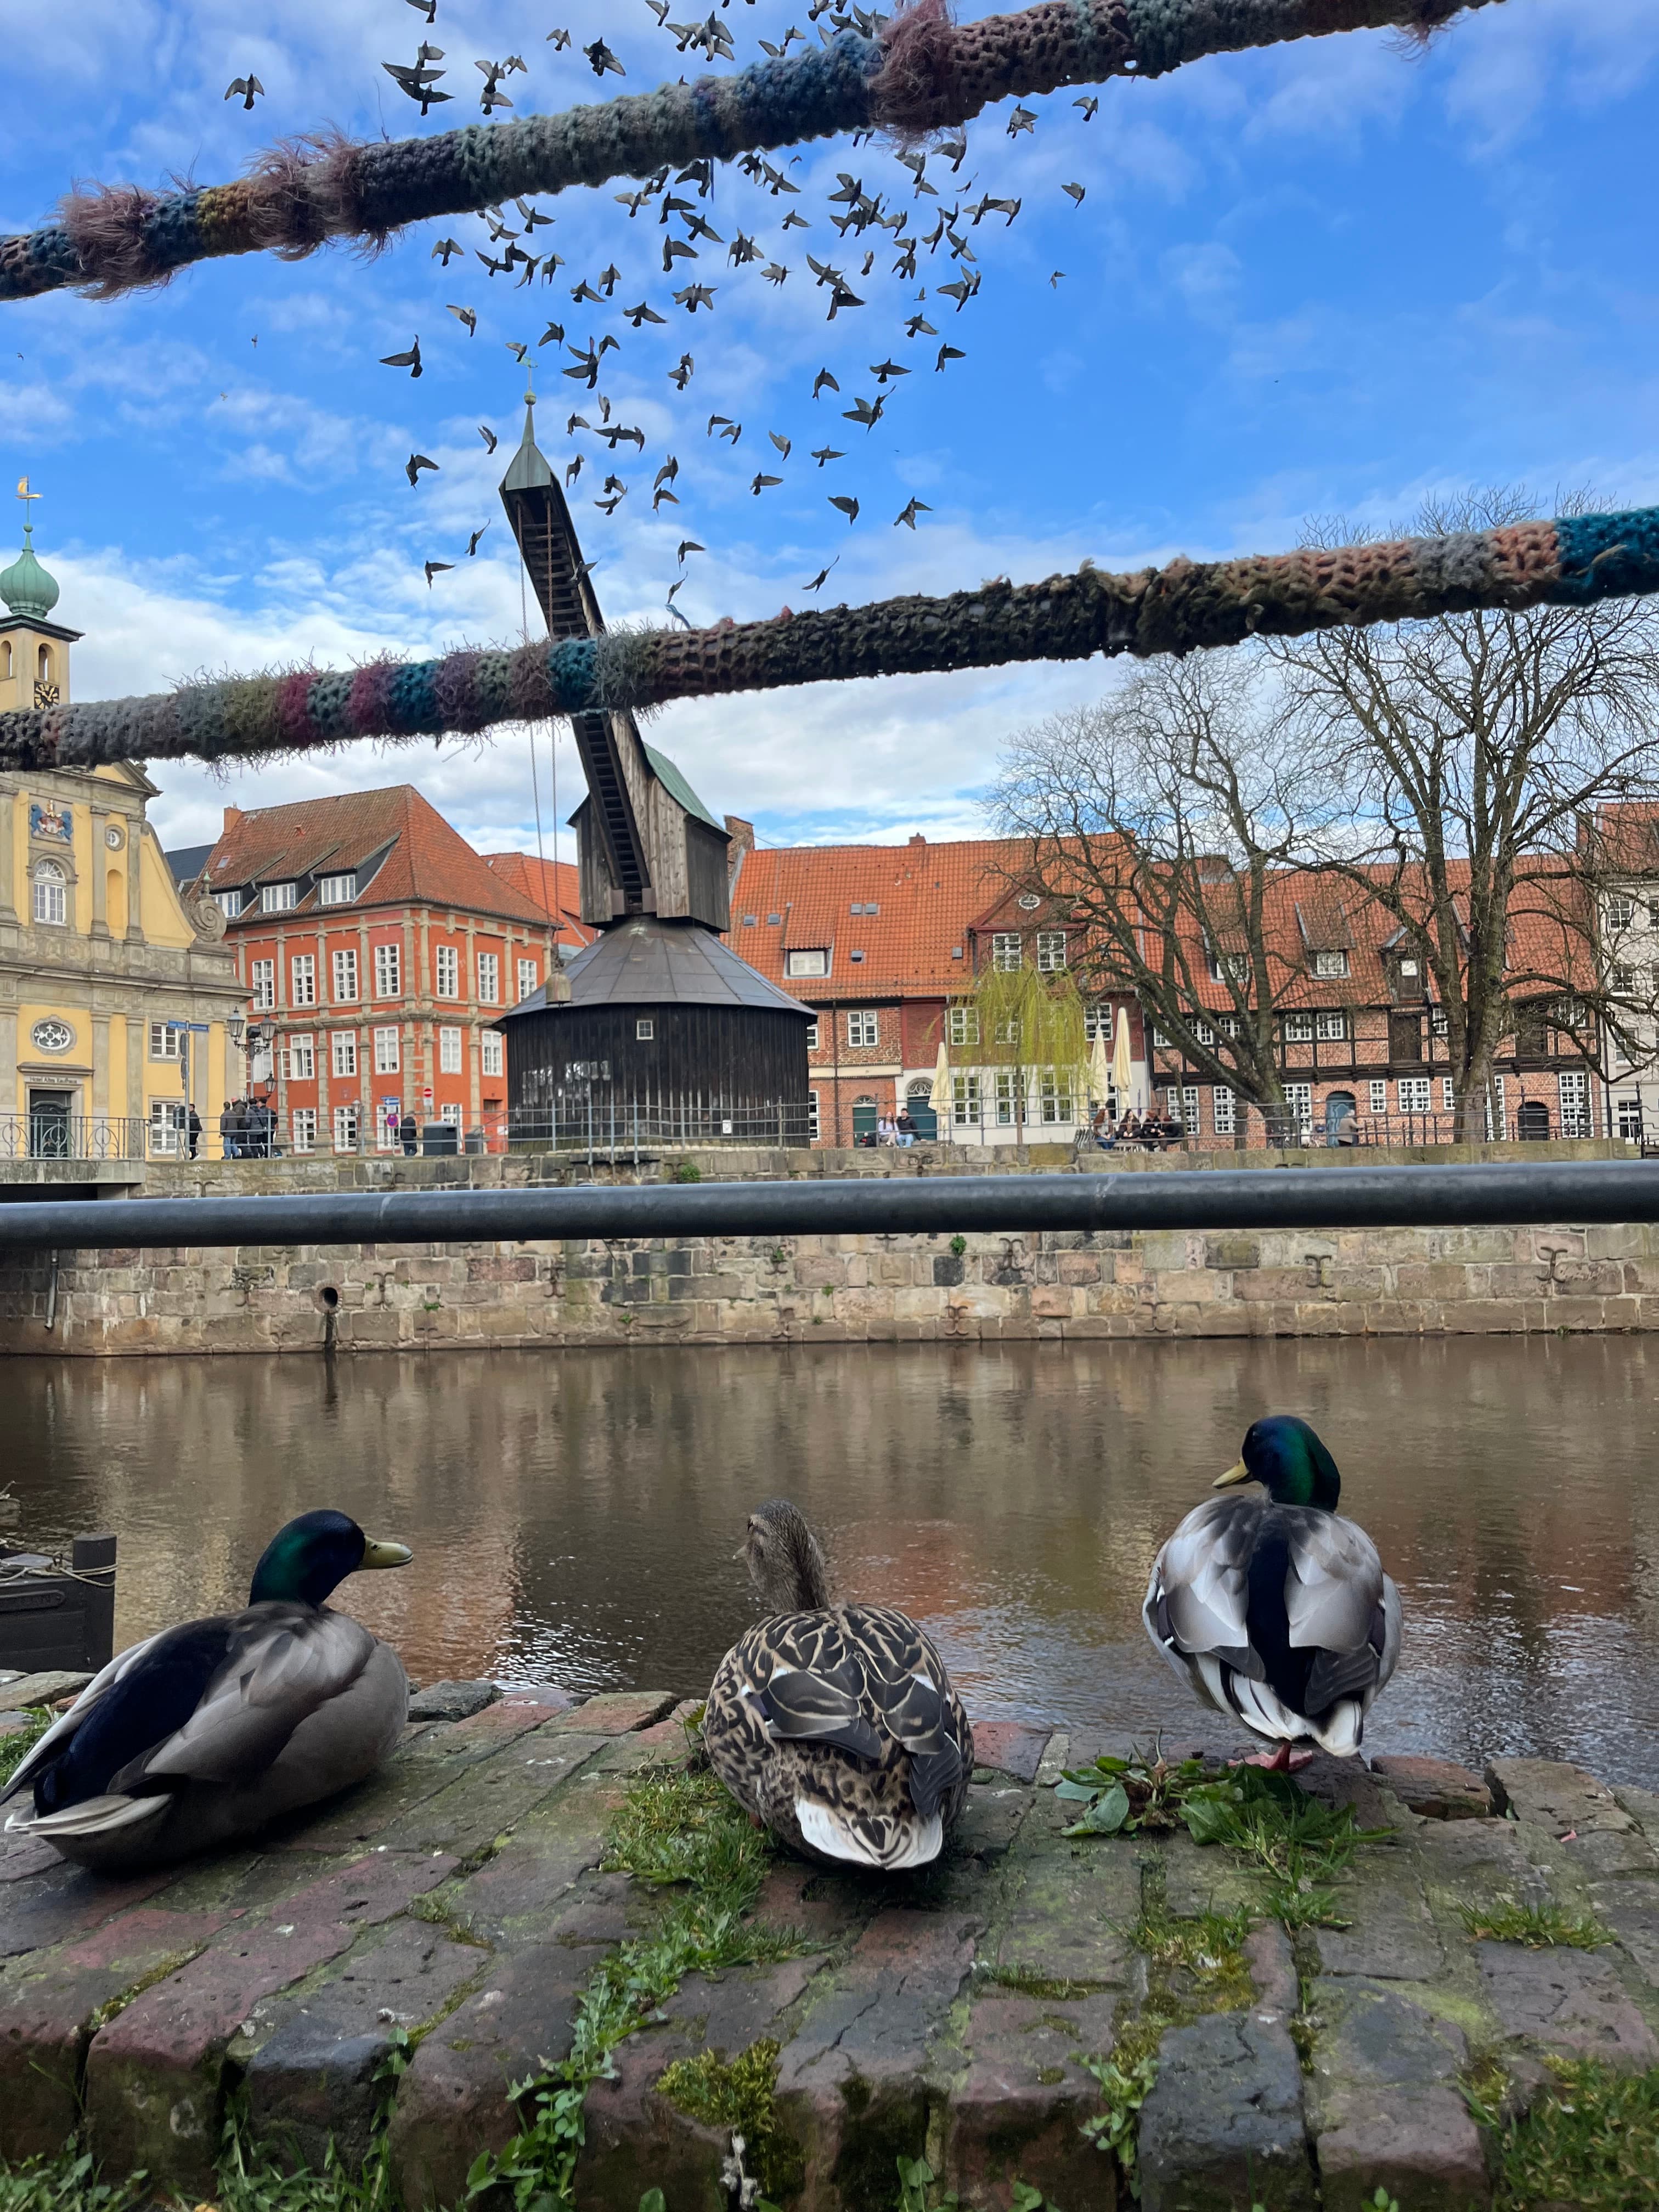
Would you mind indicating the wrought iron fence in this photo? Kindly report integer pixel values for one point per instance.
(42, 1135)
(614, 1125)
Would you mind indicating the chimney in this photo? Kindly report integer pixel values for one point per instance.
(233, 816)
(916, 837)
(742, 835)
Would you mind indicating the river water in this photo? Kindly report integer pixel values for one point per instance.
(574, 1514)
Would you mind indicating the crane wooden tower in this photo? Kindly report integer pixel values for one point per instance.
(659, 1022)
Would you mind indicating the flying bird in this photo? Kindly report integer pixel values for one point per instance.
(559, 40)
(414, 464)
(849, 508)
(775, 272)
(1074, 193)
(908, 514)
(435, 569)
(661, 493)
(553, 335)
(643, 313)
(419, 79)
(519, 351)
(244, 88)
(443, 249)
(427, 8)
(919, 324)
(601, 58)
(680, 374)
(862, 411)
(489, 436)
(1021, 119)
(955, 150)
(948, 353)
(782, 444)
(1089, 107)
(1054, 281)
(689, 545)
(472, 542)
(839, 298)
(693, 296)
(824, 381)
(822, 577)
(761, 482)
(823, 454)
(659, 10)
(467, 317)
(410, 361)
(882, 370)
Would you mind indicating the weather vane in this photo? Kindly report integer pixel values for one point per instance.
(25, 496)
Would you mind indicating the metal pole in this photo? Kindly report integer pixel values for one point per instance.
(1348, 1197)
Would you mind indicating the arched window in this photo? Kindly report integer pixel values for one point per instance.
(45, 669)
(51, 894)
(5, 660)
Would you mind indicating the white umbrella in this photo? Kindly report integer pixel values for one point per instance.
(1123, 1070)
(1100, 1075)
(939, 1097)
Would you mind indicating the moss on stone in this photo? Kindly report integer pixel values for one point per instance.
(739, 2097)
(1590, 2140)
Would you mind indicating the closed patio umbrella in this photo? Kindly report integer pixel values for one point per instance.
(939, 1097)
(1123, 1070)
(1100, 1075)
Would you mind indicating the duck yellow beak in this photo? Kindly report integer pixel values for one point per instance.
(1236, 1473)
(382, 1552)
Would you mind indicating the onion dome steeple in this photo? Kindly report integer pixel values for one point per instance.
(25, 587)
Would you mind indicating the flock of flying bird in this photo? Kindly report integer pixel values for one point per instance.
(941, 215)
(832, 1723)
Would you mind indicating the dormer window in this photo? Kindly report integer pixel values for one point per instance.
(278, 898)
(336, 890)
(1330, 966)
(814, 962)
(230, 903)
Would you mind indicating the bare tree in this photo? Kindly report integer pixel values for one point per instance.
(1475, 757)
(1162, 815)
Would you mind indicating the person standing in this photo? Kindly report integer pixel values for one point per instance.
(193, 1127)
(408, 1134)
(228, 1130)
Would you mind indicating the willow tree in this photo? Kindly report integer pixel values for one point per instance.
(1033, 1026)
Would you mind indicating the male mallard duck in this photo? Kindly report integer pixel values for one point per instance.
(1274, 1609)
(836, 1726)
(210, 1729)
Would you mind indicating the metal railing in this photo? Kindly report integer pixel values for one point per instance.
(50, 1136)
(609, 1125)
(1352, 1196)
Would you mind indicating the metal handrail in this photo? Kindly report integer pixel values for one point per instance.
(47, 1136)
(1352, 1196)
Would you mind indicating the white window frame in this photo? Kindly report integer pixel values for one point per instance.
(812, 1124)
(347, 1126)
(1573, 1083)
(302, 1049)
(490, 979)
(1050, 951)
(1160, 1043)
(388, 971)
(966, 1098)
(961, 1025)
(1621, 911)
(1192, 1119)
(229, 904)
(446, 971)
(1331, 1027)
(1006, 1090)
(336, 890)
(302, 980)
(530, 980)
(1097, 1020)
(1503, 1110)
(1007, 950)
(812, 1034)
(262, 985)
(342, 975)
(451, 1113)
(1224, 1110)
(168, 1126)
(863, 1028)
(1299, 1029)
(449, 1049)
(813, 961)
(1055, 1106)
(388, 1049)
(1447, 1095)
(1379, 1097)
(343, 1052)
(302, 1123)
(1298, 1098)
(644, 1029)
(1331, 965)
(492, 1052)
(279, 899)
(1627, 1112)
(164, 1041)
(1415, 1094)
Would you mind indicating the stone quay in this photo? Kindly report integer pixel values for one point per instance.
(455, 1906)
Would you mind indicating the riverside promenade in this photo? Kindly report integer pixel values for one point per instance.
(382, 1973)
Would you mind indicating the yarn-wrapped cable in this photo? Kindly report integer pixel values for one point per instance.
(1177, 609)
(922, 73)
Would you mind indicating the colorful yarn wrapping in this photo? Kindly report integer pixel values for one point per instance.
(923, 73)
(1187, 605)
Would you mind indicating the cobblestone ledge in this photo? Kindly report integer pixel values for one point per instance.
(460, 1896)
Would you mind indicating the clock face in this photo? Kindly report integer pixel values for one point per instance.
(52, 1037)
(113, 839)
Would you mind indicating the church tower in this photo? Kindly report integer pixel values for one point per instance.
(34, 651)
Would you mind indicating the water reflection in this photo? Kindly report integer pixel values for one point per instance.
(574, 1514)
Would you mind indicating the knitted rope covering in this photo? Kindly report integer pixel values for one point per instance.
(1188, 605)
(924, 72)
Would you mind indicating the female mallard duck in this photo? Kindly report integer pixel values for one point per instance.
(210, 1729)
(836, 1726)
(1275, 1609)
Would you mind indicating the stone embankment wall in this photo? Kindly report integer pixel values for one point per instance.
(811, 1289)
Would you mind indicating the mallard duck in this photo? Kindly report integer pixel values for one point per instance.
(836, 1726)
(1274, 1609)
(208, 1730)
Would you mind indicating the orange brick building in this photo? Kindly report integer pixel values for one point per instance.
(381, 949)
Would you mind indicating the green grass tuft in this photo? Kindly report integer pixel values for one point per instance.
(15, 1748)
(740, 2099)
(1539, 1926)
(1590, 2140)
(67, 2182)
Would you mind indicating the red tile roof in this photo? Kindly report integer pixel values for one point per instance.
(920, 899)
(426, 862)
(553, 885)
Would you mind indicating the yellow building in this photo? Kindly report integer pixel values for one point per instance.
(119, 1007)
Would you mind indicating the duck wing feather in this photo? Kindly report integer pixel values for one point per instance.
(69, 1724)
(1198, 1598)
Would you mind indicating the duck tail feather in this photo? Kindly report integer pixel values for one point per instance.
(885, 1843)
(933, 1775)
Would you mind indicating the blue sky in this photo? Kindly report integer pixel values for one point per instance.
(1332, 278)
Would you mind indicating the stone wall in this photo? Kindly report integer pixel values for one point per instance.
(833, 1289)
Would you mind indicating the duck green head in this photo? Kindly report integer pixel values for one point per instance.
(1282, 1453)
(308, 1559)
